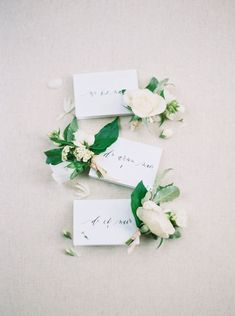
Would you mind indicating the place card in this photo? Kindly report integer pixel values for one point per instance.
(99, 94)
(127, 163)
(102, 222)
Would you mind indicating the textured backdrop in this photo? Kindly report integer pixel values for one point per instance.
(191, 42)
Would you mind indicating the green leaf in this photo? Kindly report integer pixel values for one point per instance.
(61, 141)
(159, 179)
(53, 156)
(135, 118)
(70, 252)
(137, 195)
(167, 194)
(106, 137)
(66, 234)
(152, 84)
(176, 235)
(70, 130)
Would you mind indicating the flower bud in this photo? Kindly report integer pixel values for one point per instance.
(166, 133)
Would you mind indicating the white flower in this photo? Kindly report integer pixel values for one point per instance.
(174, 110)
(181, 218)
(166, 133)
(82, 137)
(144, 103)
(154, 217)
(82, 153)
(65, 152)
(60, 172)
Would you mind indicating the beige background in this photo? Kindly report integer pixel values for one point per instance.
(192, 42)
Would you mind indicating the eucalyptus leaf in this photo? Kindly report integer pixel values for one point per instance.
(106, 137)
(70, 130)
(53, 156)
(152, 84)
(159, 179)
(136, 197)
(167, 194)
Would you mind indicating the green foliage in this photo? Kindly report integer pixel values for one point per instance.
(70, 130)
(152, 86)
(137, 195)
(70, 252)
(53, 156)
(106, 137)
(159, 179)
(166, 194)
(176, 235)
(66, 234)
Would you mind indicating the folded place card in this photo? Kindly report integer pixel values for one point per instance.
(99, 94)
(127, 163)
(102, 222)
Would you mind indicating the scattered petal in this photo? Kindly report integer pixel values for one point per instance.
(55, 83)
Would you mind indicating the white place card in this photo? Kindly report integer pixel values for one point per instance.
(102, 222)
(127, 163)
(98, 94)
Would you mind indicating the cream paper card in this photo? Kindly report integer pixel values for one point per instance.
(127, 163)
(102, 222)
(98, 94)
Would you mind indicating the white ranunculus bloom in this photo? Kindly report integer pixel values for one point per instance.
(82, 136)
(60, 172)
(144, 103)
(154, 217)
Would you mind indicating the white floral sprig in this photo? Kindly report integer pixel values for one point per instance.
(153, 104)
(77, 150)
(153, 220)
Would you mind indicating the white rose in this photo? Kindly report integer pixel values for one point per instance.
(60, 172)
(153, 216)
(144, 103)
(82, 136)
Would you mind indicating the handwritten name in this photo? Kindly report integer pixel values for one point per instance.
(109, 221)
(125, 159)
(100, 93)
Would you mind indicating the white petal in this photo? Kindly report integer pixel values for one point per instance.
(55, 83)
(157, 221)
